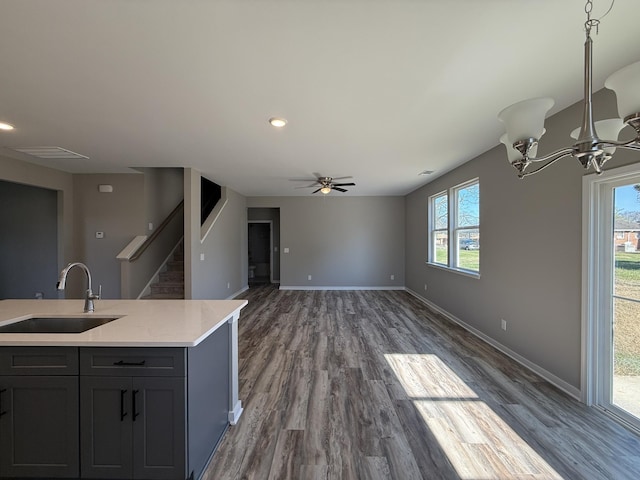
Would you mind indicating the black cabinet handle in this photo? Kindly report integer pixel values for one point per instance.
(122, 363)
(135, 414)
(122, 412)
(2, 412)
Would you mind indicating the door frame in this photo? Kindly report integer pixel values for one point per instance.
(597, 288)
(270, 222)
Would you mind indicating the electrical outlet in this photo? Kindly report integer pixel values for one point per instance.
(503, 323)
(393, 277)
(309, 277)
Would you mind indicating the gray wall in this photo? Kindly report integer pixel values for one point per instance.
(223, 272)
(530, 257)
(272, 214)
(120, 215)
(163, 190)
(29, 241)
(339, 241)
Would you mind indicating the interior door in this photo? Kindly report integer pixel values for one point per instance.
(260, 248)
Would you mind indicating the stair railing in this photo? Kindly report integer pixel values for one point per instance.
(144, 257)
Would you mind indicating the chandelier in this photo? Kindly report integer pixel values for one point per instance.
(524, 121)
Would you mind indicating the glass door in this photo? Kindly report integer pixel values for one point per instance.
(622, 369)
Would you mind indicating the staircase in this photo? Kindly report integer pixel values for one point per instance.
(171, 282)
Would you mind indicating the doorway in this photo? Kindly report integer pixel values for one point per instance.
(29, 241)
(611, 261)
(260, 242)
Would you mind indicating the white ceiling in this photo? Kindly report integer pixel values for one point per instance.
(380, 89)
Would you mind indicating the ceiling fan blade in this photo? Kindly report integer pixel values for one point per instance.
(303, 179)
(308, 186)
(344, 184)
(339, 189)
(316, 191)
(341, 178)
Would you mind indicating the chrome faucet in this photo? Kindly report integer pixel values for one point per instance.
(90, 296)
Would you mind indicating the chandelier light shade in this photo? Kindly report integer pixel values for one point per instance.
(609, 128)
(626, 83)
(524, 121)
(514, 155)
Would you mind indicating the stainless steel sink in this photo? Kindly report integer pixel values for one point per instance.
(55, 324)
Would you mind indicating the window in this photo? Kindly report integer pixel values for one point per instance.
(440, 231)
(454, 227)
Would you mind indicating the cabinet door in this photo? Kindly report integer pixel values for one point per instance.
(159, 428)
(105, 427)
(39, 426)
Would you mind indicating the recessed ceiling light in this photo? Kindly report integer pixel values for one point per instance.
(277, 122)
(5, 126)
(426, 172)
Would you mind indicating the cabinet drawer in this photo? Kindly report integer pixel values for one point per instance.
(135, 362)
(38, 360)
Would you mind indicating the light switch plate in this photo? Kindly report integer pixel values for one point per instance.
(99, 234)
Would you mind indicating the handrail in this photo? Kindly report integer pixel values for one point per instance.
(157, 231)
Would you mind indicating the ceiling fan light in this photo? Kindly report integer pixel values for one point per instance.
(6, 126)
(525, 119)
(325, 190)
(625, 83)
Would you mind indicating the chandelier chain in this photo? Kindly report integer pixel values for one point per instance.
(594, 22)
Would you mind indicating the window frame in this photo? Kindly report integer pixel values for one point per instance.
(453, 229)
(433, 231)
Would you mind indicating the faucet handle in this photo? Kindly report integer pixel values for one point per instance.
(93, 296)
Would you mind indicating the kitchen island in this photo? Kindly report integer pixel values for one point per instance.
(150, 393)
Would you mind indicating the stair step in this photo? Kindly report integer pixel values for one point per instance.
(172, 276)
(164, 296)
(173, 265)
(167, 287)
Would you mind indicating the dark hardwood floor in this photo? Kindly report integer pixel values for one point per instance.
(375, 385)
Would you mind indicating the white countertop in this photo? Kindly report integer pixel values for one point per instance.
(144, 323)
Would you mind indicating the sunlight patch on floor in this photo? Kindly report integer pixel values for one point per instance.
(477, 441)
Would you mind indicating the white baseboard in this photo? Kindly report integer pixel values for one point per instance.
(234, 295)
(545, 374)
(305, 287)
(234, 415)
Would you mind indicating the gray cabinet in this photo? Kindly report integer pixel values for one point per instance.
(133, 426)
(142, 413)
(39, 412)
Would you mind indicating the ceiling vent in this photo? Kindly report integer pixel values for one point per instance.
(50, 153)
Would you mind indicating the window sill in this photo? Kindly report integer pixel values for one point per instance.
(460, 271)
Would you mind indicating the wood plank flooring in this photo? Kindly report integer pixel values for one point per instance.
(375, 385)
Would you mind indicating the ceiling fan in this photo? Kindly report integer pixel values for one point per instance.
(325, 184)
